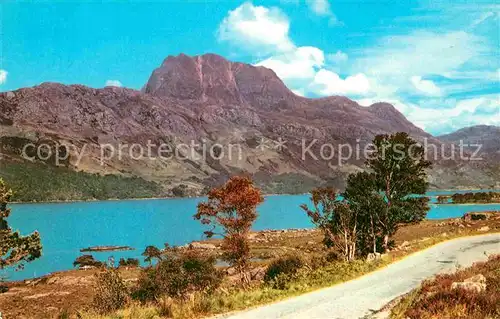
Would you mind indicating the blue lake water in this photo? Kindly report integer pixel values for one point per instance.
(65, 228)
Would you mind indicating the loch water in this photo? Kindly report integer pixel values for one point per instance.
(65, 228)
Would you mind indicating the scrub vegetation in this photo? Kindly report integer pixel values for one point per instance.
(443, 297)
(374, 222)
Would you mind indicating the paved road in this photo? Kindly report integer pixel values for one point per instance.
(356, 298)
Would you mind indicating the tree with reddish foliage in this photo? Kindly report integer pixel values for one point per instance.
(336, 219)
(231, 211)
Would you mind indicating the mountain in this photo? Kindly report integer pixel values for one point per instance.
(242, 116)
(486, 135)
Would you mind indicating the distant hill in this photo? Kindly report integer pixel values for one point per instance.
(209, 100)
(486, 135)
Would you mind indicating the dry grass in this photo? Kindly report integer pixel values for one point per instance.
(435, 299)
(73, 290)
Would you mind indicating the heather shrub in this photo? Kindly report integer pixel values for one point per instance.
(436, 299)
(87, 261)
(283, 270)
(129, 262)
(177, 276)
(111, 292)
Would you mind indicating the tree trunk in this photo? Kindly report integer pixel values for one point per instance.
(386, 242)
(374, 238)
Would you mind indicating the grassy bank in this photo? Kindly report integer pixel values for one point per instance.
(311, 279)
(441, 298)
(71, 292)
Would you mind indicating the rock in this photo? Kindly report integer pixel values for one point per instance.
(473, 216)
(87, 267)
(231, 271)
(404, 244)
(10, 95)
(444, 234)
(476, 283)
(477, 278)
(202, 246)
(258, 273)
(484, 229)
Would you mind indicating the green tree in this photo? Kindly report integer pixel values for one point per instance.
(398, 169)
(364, 198)
(15, 250)
(151, 253)
(336, 219)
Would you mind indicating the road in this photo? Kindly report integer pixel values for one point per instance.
(359, 297)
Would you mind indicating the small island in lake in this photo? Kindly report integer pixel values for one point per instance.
(105, 248)
(470, 198)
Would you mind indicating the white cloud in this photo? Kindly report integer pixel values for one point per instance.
(446, 115)
(113, 83)
(329, 83)
(319, 7)
(485, 16)
(427, 87)
(3, 76)
(460, 63)
(483, 75)
(338, 57)
(298, 64)
(257, 28)
(299, 92)
(421, 52)
(322, 8)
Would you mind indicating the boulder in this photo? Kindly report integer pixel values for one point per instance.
(476, 283)
(197, 245)
(484, 229)
(258, 273)
(404, 244)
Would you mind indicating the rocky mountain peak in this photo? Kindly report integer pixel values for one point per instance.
(213, 79)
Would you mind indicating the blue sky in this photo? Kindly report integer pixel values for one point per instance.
(437, 61)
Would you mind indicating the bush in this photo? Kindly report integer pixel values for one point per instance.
(87, 260)
(283, 270)
(437, 299)
(324, 259)
(3, 289)
(129, 262)
(176, 276)
(111, 292)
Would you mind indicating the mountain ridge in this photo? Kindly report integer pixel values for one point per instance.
(208, 98)
(486, 135)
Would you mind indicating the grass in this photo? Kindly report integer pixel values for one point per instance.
(234, 299)
(436, 299)
(310, 279)
(135, 311)
(316, 275)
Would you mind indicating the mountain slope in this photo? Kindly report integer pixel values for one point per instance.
(194, 105)
(486, 135)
